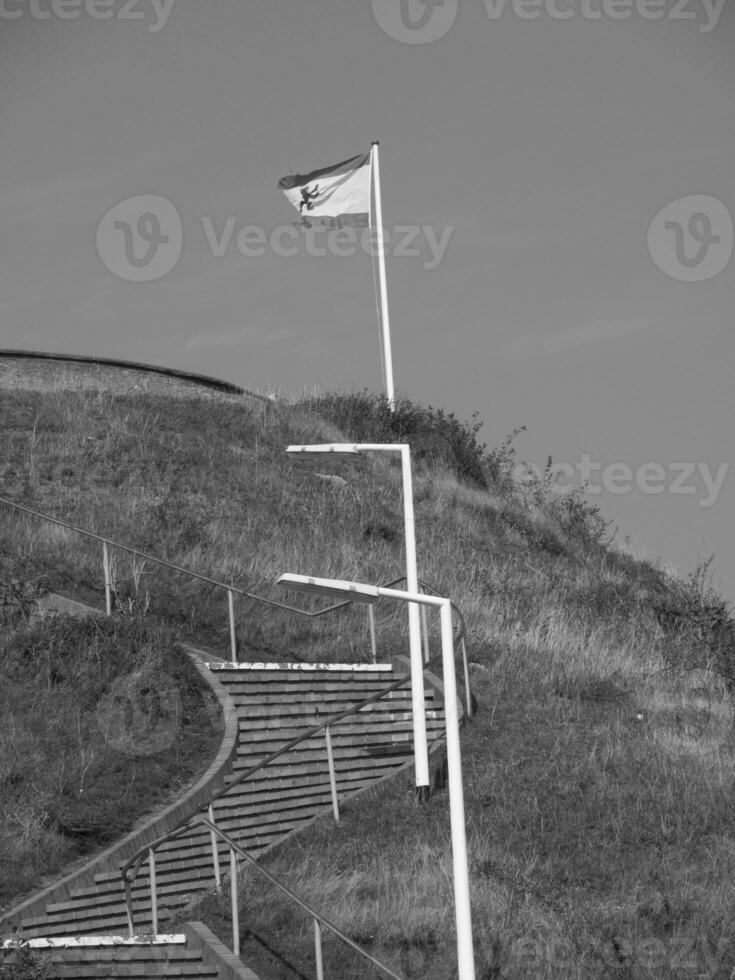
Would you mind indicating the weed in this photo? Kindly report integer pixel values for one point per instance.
(19, 962)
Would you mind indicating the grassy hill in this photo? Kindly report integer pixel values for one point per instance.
(599, 770)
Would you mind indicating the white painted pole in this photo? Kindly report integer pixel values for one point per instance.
(465, 951)
(233, 638)
(233, 902)
(332, 774)
(418, 698)
(385, 320)
(106, 567)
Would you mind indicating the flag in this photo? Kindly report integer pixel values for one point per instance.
(333, 197)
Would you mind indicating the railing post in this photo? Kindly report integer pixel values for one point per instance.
(371, 621)
(318, 950)
(154, 893)
(106, 567)
(129, 909)
(233, 638)
(215, 852)
(425, 634)
(332, 775)
(233, 900)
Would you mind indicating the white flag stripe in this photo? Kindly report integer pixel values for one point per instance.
(330, 196)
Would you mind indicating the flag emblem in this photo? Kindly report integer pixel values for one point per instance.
(333, 197)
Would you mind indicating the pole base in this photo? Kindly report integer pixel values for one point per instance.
(423, 794)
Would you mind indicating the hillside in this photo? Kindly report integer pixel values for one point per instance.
(599, 770)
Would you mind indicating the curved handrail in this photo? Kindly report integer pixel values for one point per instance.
(190, 823)
(292, 743)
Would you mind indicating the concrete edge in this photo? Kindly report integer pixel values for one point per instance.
(95, 942)
(204, 380)
(215, 953)
(156, 826)
(344, 668)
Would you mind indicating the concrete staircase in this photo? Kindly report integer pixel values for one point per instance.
(275, 703)
(195, 954)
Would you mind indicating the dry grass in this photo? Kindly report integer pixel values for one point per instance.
(599, 769)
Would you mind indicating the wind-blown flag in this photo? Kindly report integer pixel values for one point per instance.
(333, 197)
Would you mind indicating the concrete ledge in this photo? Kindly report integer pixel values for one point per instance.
(215, 953)
(53, 604)
(96, 942)
(352, 668)
(202, 380)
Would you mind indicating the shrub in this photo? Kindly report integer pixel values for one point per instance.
(18, 962)
(433, 434)
(18, 591)
(579, 519)
(698, 628)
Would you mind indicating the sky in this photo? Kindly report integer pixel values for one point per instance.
(565, 170)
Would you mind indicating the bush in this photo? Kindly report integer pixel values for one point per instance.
(18, 962)
(699, 631)
(18, 590)
(434, 435)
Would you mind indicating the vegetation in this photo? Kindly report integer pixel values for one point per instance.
(599, 770)
(101, 721)
(19, 962)
(435, 437)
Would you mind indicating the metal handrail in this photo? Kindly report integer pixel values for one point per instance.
(137, 858)
(230, 589)
(135, 861)
(316, 916)
(137, 553)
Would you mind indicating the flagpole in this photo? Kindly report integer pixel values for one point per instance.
(385, 320)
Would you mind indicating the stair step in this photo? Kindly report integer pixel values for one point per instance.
(273, 706)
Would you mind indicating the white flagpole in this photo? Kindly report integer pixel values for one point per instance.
(385, 321)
